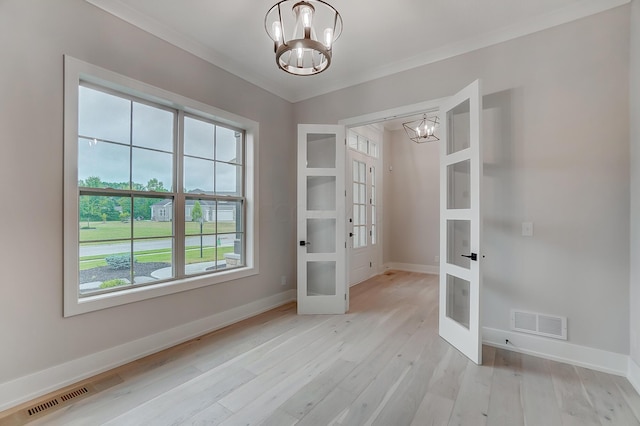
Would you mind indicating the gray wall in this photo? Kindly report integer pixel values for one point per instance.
(34, 35)
(558, 157)
(411, 199)
(635, 182)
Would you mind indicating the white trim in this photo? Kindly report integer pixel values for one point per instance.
(132, 16)
(431, 105)
(633, 374)
(556, 350)
(76, 70)
(575, 11)
(413, 267)
(32, 386)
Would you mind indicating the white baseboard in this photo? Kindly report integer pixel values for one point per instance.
(413, 267)
(29, 387)
(558, 350)
(633, 374)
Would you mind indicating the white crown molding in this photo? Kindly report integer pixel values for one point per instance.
(27, 388)
(539, 23)
(132, 16)
(576, 11)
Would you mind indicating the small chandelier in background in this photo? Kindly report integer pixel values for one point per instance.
(292, 24)
(421, 131)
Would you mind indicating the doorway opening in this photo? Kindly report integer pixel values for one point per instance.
(392, 198)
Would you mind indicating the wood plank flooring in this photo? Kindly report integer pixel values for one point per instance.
(381, 364)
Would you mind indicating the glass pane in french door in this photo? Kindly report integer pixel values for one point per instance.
(458, 130)
(321, 235)
(458, 237)
(458, 301)
(321, 192)
(459, 185)
(321, 151)
(321, 278)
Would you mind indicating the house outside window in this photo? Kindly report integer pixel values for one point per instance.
(160, 190)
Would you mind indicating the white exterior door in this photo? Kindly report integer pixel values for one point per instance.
(461, 221)
(321, 246)
(362, 217)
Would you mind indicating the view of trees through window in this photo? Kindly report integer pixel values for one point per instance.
(127, 201)
(94, 208)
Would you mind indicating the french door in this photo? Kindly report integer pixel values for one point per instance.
(321, 246)
(461, 221)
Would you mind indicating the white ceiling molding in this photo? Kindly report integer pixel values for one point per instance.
(178, 39)
(561, 16)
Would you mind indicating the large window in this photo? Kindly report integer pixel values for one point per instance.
(157, 188)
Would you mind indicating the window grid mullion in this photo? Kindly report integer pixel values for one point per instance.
(179, 201)
(132, 204)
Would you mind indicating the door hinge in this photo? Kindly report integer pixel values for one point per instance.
(345, 297)
(370, 265)
(345, 244)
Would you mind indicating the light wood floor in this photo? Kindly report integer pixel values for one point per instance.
(381, 364)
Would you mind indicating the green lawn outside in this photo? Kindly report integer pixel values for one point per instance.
(160, 255)
(116, 230)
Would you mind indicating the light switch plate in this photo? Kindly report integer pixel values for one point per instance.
(527, 229)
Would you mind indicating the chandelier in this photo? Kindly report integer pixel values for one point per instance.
(421, 131)
(292, 26)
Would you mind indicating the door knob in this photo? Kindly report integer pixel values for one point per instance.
(472, 256)
(305, 243)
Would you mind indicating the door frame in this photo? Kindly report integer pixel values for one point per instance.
(429, 106)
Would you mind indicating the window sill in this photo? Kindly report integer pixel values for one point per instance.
(75, 305)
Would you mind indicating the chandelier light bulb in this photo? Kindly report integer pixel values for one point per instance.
(307, 15)
(277, 31)
(328, 37)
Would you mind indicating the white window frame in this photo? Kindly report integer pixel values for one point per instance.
(76, 71)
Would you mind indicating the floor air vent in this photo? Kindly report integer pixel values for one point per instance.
(53, 403)
(74, 394)
(42, 407)
(539, 324)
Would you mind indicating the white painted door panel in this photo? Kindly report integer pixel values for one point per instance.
(461, 221)
(321, 220)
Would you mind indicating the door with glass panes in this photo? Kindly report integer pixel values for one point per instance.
(321, 220)
(461, 221)
(362, 208)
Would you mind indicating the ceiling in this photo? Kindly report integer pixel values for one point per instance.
(379, 38)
